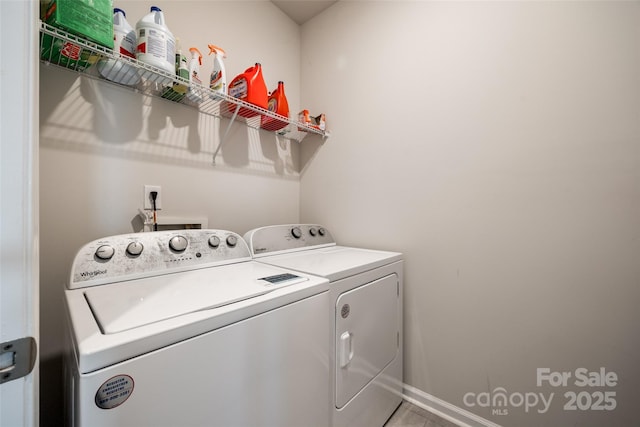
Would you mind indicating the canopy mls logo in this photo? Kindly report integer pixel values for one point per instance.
(500, 401)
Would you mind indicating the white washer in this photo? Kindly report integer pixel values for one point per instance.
(366, 316)
(182, 328)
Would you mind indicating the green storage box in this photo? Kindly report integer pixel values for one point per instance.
(90, 19)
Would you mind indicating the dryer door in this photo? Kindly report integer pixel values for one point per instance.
(367, 328)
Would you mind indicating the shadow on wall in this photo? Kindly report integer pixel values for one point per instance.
(85, 114)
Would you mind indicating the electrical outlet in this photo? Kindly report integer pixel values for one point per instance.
(148, 204)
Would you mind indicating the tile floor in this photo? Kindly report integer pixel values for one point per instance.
(408, 415)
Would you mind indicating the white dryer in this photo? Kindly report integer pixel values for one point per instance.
(366, 289)
(182, 328)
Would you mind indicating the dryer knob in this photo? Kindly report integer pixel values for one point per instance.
(178, 243)
(105, 252)
(322, 231)
(232, 241)
(295, 232)
(313, 231)
(134, 248)
(214, 241)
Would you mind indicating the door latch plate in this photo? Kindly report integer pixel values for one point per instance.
(17, 358)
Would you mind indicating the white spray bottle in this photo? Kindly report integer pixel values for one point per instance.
(218, 80)
(195, 92)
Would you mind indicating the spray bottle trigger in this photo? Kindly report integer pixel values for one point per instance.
(216, 49)
(194, 51)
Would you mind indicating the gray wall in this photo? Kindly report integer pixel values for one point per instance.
(100, 145)
(496, 144)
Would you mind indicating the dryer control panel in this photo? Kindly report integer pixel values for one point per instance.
(284, 238)
(138, 255)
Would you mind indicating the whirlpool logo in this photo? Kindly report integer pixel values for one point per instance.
(92, 274)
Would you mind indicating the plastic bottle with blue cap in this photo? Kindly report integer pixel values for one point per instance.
(124, 45)
(156, 43)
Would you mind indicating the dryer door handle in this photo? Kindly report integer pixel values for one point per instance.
(346, 348)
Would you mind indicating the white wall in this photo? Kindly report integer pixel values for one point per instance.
(100, 144)
(496, 144)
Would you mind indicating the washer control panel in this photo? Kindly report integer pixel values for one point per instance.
(282, 238)
(138, 255)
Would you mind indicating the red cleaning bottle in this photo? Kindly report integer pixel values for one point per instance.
(277, 104)
(250, 87)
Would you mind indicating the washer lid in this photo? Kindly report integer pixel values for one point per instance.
(131, 304)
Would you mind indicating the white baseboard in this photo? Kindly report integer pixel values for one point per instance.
(446, 410)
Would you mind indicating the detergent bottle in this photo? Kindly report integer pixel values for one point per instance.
(123, 34)
(124, 44)
(218, 80)
(250, 87)
(182, 69)
(277, 104)
(156, 44)
(195, 84)
(178, 90)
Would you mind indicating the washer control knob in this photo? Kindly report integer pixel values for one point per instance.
(105, 252)
(296, 232)
(321, 231)
(178, 243)
(313, 231)
(134, 248)
(214, 241)
(232, 241)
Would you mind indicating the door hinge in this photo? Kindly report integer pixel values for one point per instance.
(17, 358)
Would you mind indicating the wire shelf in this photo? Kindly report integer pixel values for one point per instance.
(63, 49)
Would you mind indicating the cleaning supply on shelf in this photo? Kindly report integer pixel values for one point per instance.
(66, 53)
(124, 44)
(249, 87)
(124, 36)
(318, 122)
(305, 119)
(195, 84)
(156, 44)
(218, 79)
(90, 19)
(279, 105)
(177, 91)
(182, 69)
